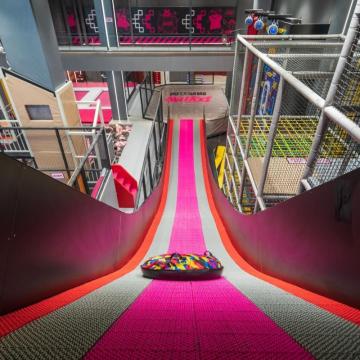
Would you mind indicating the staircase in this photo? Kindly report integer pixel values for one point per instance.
(126, 186)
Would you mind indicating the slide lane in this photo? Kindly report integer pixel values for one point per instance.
(200, 319)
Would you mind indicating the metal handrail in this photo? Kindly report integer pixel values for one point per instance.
(79, 168)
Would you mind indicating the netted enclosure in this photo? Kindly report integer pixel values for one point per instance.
(296, 124)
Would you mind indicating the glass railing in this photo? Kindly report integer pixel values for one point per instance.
(154, 156)
(168, 41)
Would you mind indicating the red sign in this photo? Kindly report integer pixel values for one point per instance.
(188, 99)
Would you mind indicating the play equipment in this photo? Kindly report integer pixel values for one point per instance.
(182, 266)
(220, 164)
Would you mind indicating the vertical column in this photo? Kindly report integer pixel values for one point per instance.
(30, 41)
(269, 146)
(228, 86)
(106, 21)
(254, 104)
(116, 85)
(236, 79)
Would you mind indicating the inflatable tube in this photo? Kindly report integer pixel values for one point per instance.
(182, 266)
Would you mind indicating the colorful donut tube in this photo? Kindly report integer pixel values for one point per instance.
(182, 266)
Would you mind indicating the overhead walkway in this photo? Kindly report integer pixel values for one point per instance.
(243, 315)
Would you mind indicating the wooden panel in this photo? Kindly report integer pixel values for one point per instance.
(25, 93)
(67, 101)
(66, 97)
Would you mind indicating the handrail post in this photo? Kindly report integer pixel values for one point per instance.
(254, 104)
(270, 143)
(62, 152)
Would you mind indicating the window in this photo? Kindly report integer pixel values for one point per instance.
(39, 112)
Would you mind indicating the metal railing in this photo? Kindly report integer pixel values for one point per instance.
(98, 118)
(92, 163)
(129, 90)
(12, 139)
(154, 157)
(146, 90)
(75, 156)
(68, 41)
(297, 122)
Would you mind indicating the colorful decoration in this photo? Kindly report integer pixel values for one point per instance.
(259, 24)
(177, 20)
(268, 91)
(273, 29)
(249, 20)
(182, 264)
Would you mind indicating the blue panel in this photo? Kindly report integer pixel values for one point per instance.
(21, 38)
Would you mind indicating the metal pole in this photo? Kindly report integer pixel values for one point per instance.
(155, 142)
(191, 24)
(131, 23)
(150, 171)
(3, 109)
(298, 43)
(348, 17)
(106, 149)
(303, 56)
(241, 98)
(62, 152)
(271, 138)
(254, 104)
(248, 171)
(290, 37)
(234, 82)
(331, 112)
(343, 121)
(85, 181)
(82, 162)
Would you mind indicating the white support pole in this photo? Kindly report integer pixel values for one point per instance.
(298, 43)
(343, 121)
(248, 171)
(271, 139)
(343, 33)
(241, 98)
(291, 37)
(235, 78)
(254, 104)
(303, 56)
(3, 109)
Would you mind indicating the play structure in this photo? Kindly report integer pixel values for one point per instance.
(272, 149)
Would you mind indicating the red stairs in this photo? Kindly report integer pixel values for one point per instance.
(126, 186)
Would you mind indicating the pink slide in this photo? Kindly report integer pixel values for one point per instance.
(193, 319)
